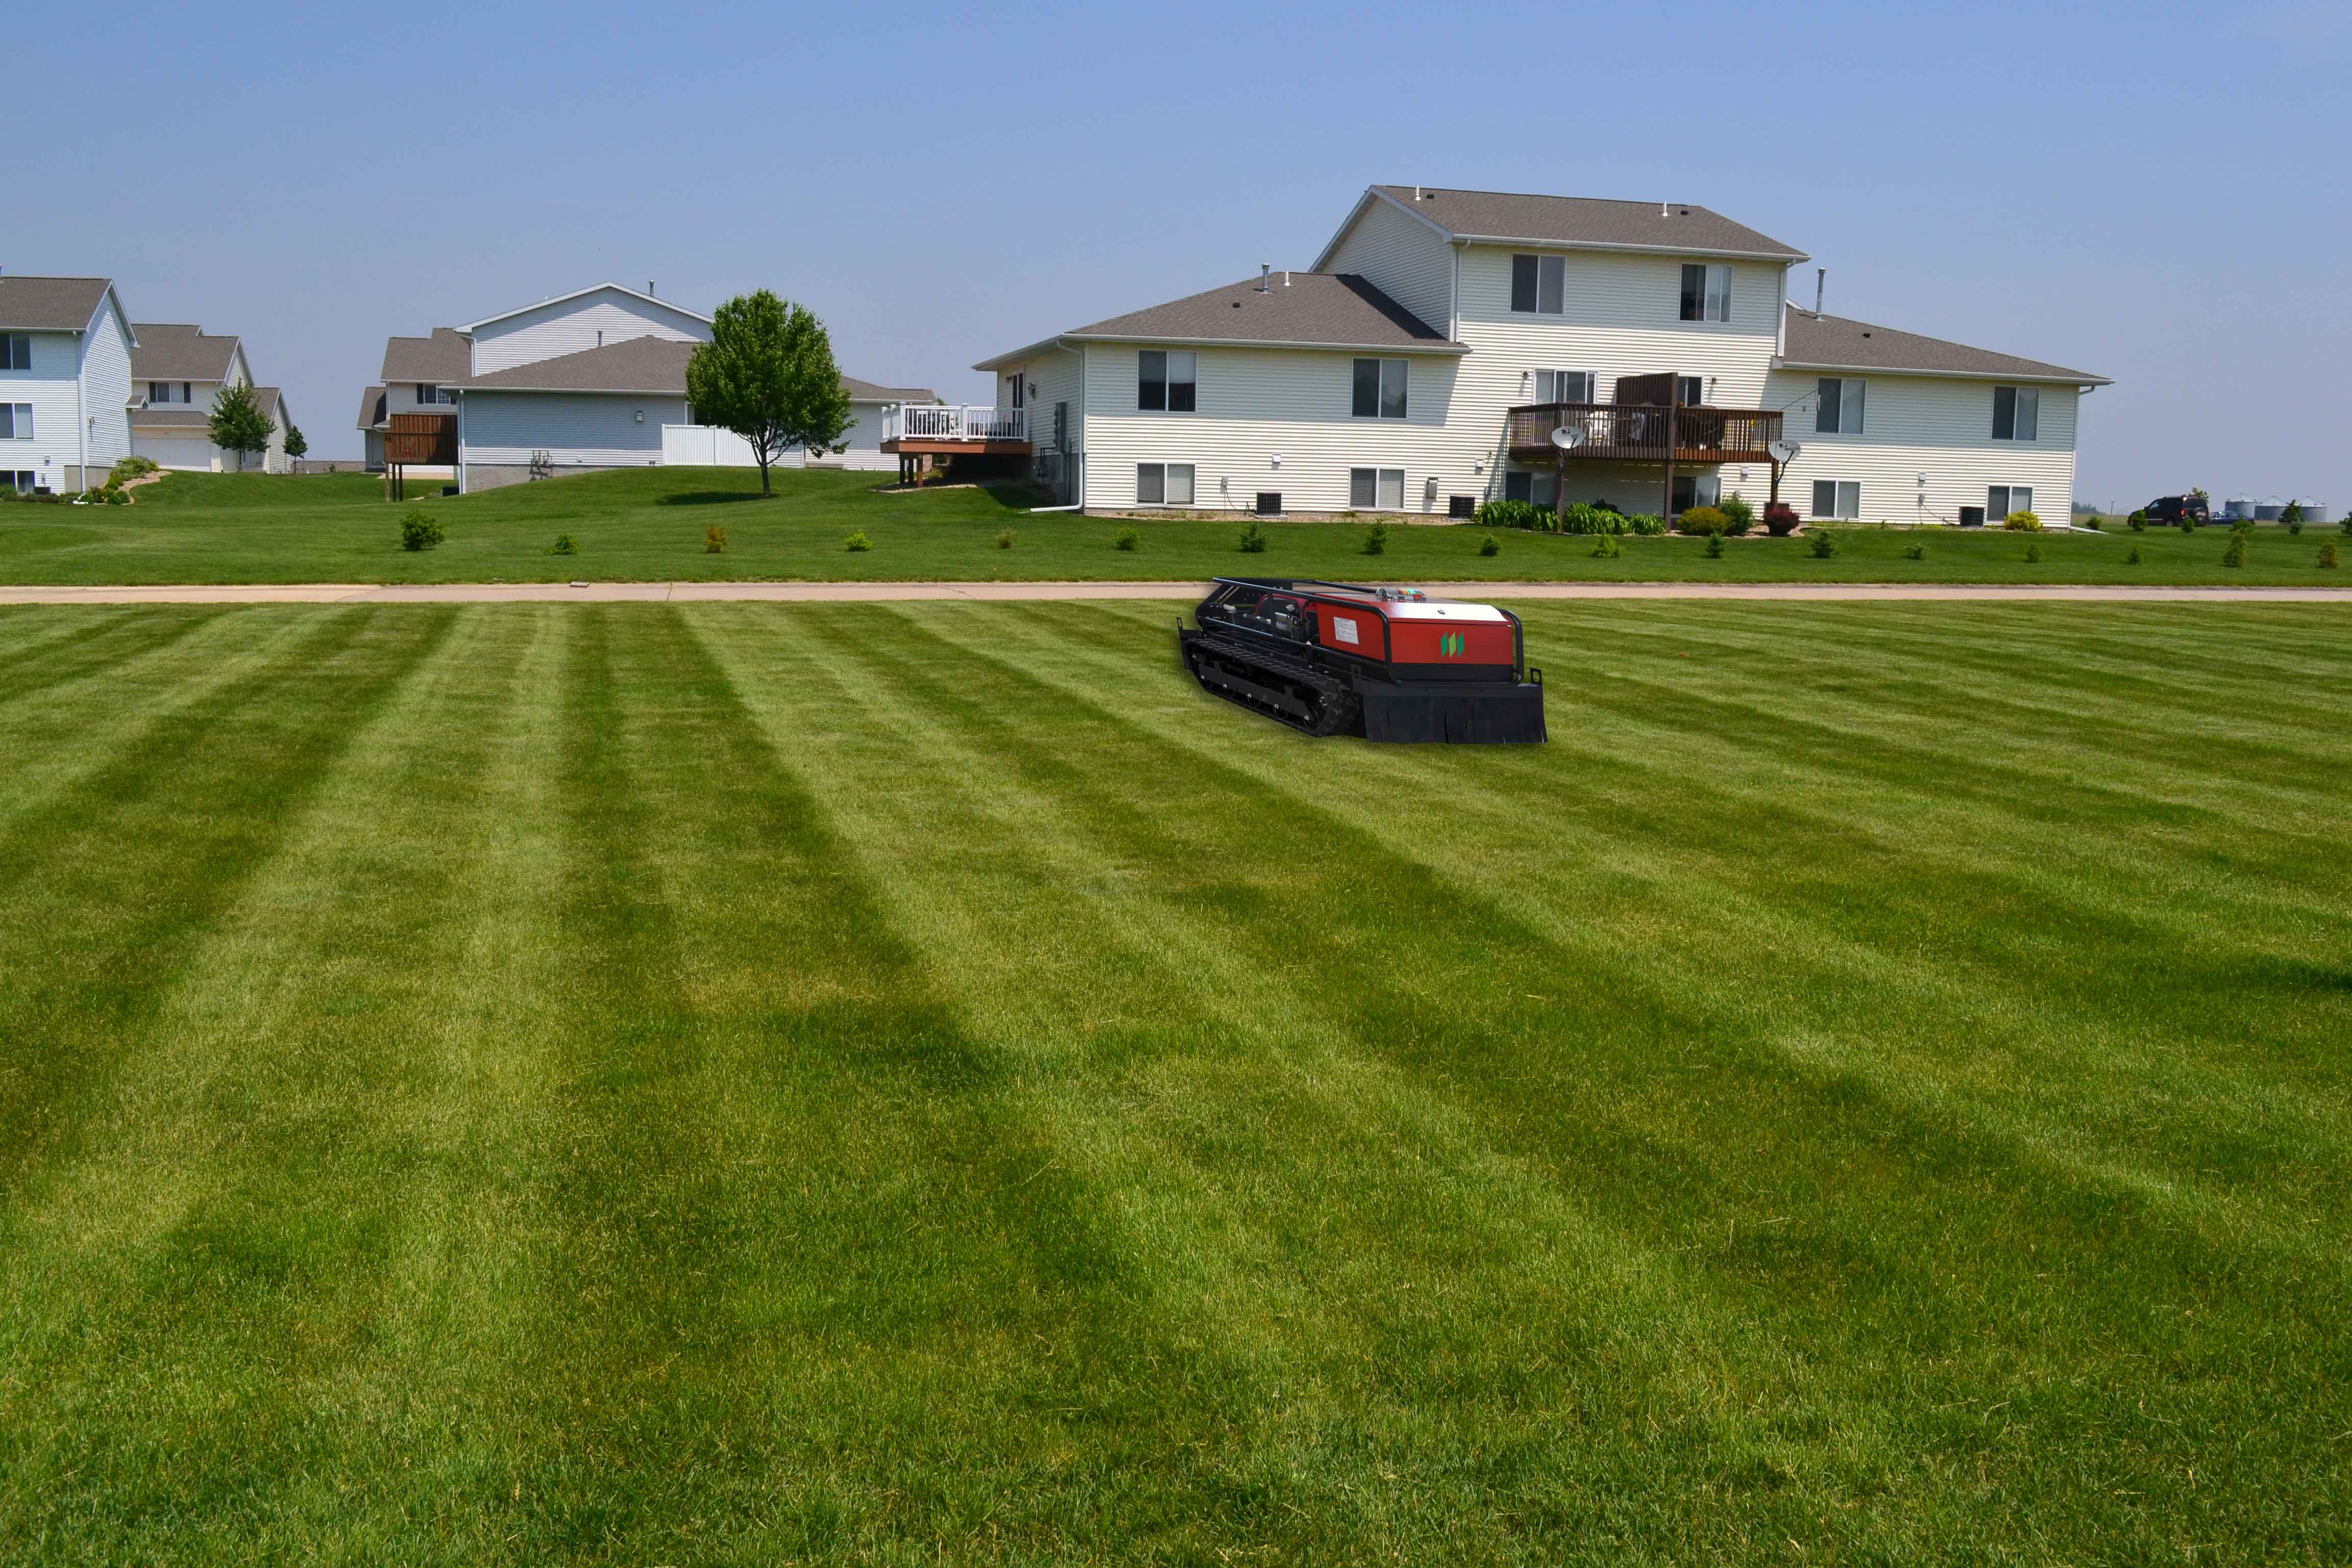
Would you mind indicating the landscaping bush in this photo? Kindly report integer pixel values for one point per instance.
(1252, 542)
(1585, 517)
(1915, 551)
(2091, 520)
(1128, 540)
(1735, 507)
(419, 530)
(2292, 514)
(1376, 540)
(1823, 545)
(2327, 553)
(2235, 553)
(2132, 558)
(857, 543)
(117, 497)
(2344, 526)
(1715, 547)
(1779, 519)
(1646, 524)
(2032, 554)
(1490, 545)
(2187, 523)
(1702, 520)
(1606, 548)
(565, 545)
(2138, 522)
(2022, 522)
(1005, 540)
(129, 468)
(714, 541)
(1514, 514)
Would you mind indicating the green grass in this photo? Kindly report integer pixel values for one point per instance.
(647, 525)
(912, 1083)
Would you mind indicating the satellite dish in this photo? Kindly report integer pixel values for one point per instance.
(1567, 438)
(1784, 451)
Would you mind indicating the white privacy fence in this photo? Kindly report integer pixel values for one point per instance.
(709, 446)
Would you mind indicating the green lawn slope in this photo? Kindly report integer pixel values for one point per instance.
(648, 525)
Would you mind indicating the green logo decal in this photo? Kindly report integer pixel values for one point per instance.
(1449, 645)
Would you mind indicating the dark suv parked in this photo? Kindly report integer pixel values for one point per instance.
(2172, 508)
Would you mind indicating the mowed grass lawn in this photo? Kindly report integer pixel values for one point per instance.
(648, 525)
(752, 1084)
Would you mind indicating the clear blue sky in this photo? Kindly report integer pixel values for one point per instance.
(2157, 192)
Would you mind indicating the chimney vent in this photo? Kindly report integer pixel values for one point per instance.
(1821, 283)
(1265, 277)
(649, 288)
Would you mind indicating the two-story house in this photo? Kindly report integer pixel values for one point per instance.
(176, 372)
(65, 382)
(415, 378)
(1427, 359)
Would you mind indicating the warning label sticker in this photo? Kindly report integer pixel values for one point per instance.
(1343, 628)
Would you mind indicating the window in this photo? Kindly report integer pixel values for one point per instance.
(1163, 484)
(429, 393)
(1839, 412)
(2002, 500)
(21, 479)
(2016, 412)
(16, 421)
(1376, 489)
(1706, 292)
(1012, 386)
(1537, 487)
(1692, 390)
(1540, 284)
(1165, 379)
(1563, 386)
(1696, 489)
(1380, 389)
(1837, 498)
(16, 352)
(1061, 426)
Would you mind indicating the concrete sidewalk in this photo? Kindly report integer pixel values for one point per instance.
(822, 593)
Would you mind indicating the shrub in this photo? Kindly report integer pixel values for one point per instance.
(1646, 524)
(1490, 545)
(1823, 545)
(1376, 539)
(117, 498)
(2138, 522)
(2344, 527)
(1735, 507)
(1584, 516)
(1915, 551)
(1779, 519)
(1253, 541)
(1514, 514)
(419, 530)
(2091, 520)
(1702, 520)
(1606, 548)
(2235, 553)
(714, 541)
(857, 543)
(2032, 554)
(2022, 522)
(2327, 553)
(2187, 523)
(129, 468)
(2132, 557)
(2294, 524)
(1128, 540)
(1005, 540)
(565, 545)
(2291, 513)
(1715, 547)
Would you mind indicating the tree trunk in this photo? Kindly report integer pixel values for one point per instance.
(764, 491)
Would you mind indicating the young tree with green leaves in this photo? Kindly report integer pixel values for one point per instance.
(237, 423)
(768, 374)
(296, 444)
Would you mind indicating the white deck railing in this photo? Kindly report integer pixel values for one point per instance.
(953, 422)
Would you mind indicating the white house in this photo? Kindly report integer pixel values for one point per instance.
(1425, 361)
(65, 382)
(176, 371)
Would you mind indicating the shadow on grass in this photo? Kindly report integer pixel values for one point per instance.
(709, 498)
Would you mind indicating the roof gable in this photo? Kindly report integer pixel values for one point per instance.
(1835, 342)
(1308, 309)
(56, 304)
(1583, 223)
(577, 295)
(443, 356)
(174, 350)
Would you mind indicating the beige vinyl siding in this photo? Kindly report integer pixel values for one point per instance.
(595, 430)
(1056, 376)
(1401, 257)
(1256, 405)
(569, 326)
(1941, 426)
(106, 387)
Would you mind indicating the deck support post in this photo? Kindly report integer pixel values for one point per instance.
(1673, 434)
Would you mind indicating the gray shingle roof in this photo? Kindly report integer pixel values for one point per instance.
(173, 418)
(1325, 309)
(443, 357)
(50, 304)
(1584, 221)
(633, 364)
(174, 351)
(1833, 343)
(270, 402)
(371, 410)
(867, 392)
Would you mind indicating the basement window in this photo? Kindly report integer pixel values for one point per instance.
(1166, 380)
(2002, 500)
(1376, 489)
(1380, 389)
(1837, 498)
(1706, 292)
(1539, 285)
(1537, 486)
(2016, 412)
(1163, 484)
